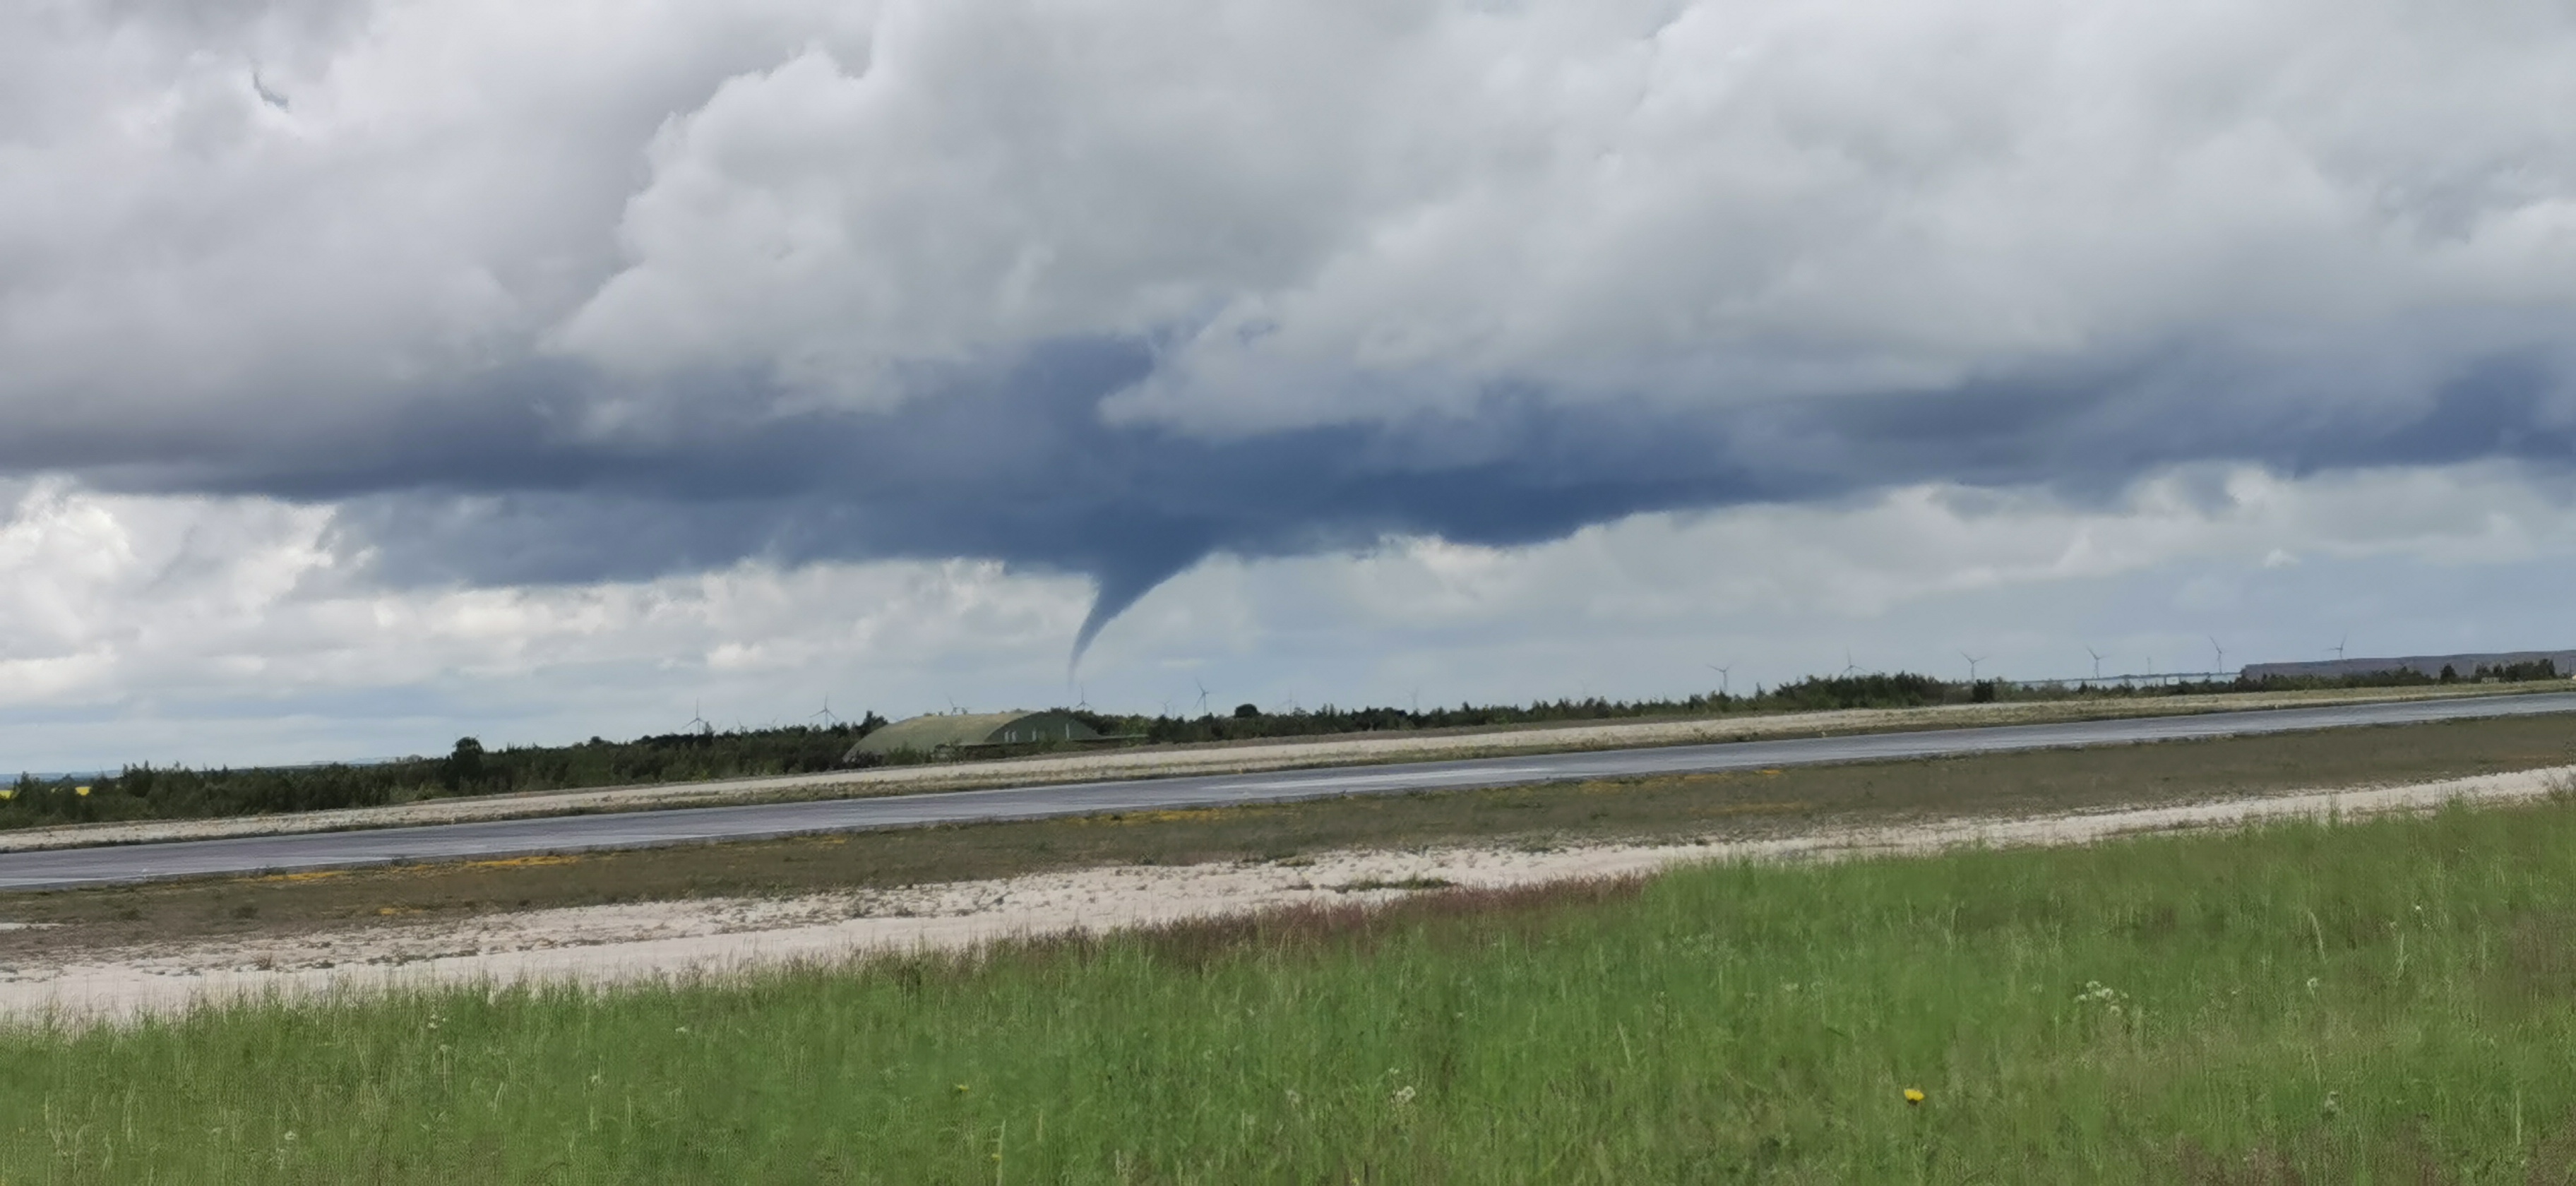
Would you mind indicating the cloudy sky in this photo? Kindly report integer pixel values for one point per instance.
(372, 373)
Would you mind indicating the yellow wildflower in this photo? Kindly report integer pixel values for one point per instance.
(1913, 1095)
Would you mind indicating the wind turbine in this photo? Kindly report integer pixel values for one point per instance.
(2220, 664)
(828, 719)
(2097, 661)
(2338, 646)
(1203, 695)
(698, 719)
(1848, 666)
(1081, 698)
(1724, 688)
(1973, 660)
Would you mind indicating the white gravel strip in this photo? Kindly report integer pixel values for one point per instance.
(625, 944)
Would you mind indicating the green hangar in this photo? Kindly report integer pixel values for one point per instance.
(953, 732)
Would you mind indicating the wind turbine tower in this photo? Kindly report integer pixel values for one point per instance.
(1723, 687)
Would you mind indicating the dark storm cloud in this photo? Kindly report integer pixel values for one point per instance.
(1017, 464)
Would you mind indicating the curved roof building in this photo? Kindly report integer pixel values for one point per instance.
(956, 731)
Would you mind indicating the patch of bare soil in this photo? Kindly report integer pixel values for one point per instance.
(629, 943)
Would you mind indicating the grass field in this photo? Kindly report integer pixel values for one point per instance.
(2387, 1001)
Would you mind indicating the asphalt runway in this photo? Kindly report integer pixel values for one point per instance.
(60, 868)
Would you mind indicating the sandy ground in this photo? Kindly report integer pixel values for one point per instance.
(625, 944)
(1208, 759)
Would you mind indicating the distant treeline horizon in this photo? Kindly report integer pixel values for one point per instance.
(180, 792)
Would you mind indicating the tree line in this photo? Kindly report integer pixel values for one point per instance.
(180, 792)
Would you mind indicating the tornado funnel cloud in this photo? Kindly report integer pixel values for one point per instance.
(1115, 590)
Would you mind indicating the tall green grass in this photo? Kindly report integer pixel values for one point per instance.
(2385, 1001)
